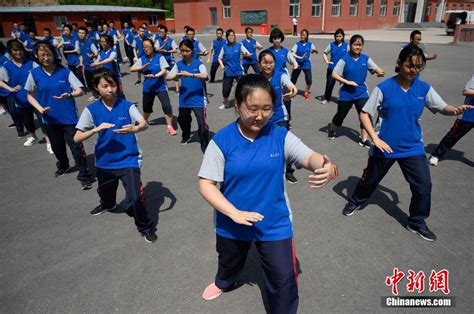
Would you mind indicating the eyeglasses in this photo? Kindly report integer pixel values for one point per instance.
(415, 67)
(255, 112)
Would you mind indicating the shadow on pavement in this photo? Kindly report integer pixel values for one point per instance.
(382, 196)
(452, 154)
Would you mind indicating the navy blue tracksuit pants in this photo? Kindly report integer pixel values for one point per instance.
(417, 173)
(108, 180)
(279, 266)
(458, 130)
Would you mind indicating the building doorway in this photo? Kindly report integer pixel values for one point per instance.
(410, 12)
(30, 24)
(213, 16)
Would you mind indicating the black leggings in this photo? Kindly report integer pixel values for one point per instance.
(343, 108)
(27, 116)
(308, 76)
(255, 67)
(185, 119)
(214, 67)
(330, 82)
(148, 99)
(227, 84)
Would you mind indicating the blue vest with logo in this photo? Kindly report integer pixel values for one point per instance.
(354, 70)
(191, 92)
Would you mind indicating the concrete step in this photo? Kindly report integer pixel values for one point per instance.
(421, 25)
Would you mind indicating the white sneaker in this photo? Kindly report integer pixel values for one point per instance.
(49, 149)
(324, 101)
(433, 161)
(30, 141)
(2, 111)
(225, 106)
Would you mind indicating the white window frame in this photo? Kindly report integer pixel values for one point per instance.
(294, 8)
(61, 20)
(353, 7)
(383, 8)
(396, 9)
(336, 8)
(428, 9)
(369, 8)
(316, 8)
(226, 13)
(153, 20)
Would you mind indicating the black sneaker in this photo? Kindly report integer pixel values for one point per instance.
(150, 237)
(331, 134)
(365, 143)
(129, 212)
(423, 232)
(61, 172)
(350, 208)
(290, 178)
(11, 126)
(98, 210)
(185, 141)
(138, 82)
(86, 185)
(22, 134)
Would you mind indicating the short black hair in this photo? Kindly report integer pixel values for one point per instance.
(228, 32)
(220, 30)
(82, 28)
(190, 29)
(414, 33)
(408, 53)
(248, 29)
(109, 39)
(276, 33)
(69, 26)
(339, 31)
(248, 84)
(163, 27)
(107, 75)
(188, 43)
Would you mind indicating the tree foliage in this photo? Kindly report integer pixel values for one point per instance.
(157, 4)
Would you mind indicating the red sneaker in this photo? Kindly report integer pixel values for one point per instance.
(307, 96)
(170, 130)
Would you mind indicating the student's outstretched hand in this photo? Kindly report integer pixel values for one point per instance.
(352, 83)
(323, 175)
(461, 109)
(126, 129)
(44, 110)
(104, 126)
(382, 146)
(246, 218)
(63, 96)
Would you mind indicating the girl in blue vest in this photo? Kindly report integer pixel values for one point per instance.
(336, 50)
(116, 35)
(117, 153)
(72, 52)
(51, 90)
(302, 51)
(252, 46)
(247, 159)
(89, 53)
(280, 82)
(167, 47)
(400, 101)
(282, 56)
(214, 54)
(107, 59)
(192, 97)
(230, 59)
(154, 68)
(461, 127)
(17, 72)
(129, 37)
(351, 70)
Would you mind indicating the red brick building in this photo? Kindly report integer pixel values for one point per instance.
(37, 18)
(315, 15)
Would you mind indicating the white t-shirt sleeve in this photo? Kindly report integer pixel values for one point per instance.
(469, 84)
(30, 84)
(138, 63)
(434, 102)
(4, 75)
(221, 54)
(286, 81)
(213, 163)
(202, 69)
(202, 48)
(374, 102)
(295, 150)
(294, 49)
(174, 70)
(174, 45)
(328, 49)
(244, 50)
(113, 55)
(94, 49)
(135, 115)
(290, 58)
(258, 45)
(339, 68)
(86, 122)
(77, 46)
(313, 47)
(163, 63)
(74, 81)
(371, 65)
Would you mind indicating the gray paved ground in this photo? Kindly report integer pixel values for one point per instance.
(57, 258)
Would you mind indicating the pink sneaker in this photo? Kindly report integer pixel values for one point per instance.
(307, 96)
(170, 130)
(211, 292)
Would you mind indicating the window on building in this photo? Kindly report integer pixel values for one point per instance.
(369, 8)
(153, 20)
(316, 8)
(295, 8)
(353, 7)
(226, 4)
(383, 8)
(454, 7)
(396, 9)
(336, 8)
(58, 20)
